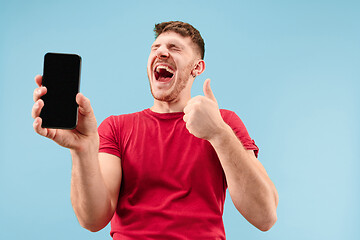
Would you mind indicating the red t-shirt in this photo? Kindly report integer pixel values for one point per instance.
(173, 185)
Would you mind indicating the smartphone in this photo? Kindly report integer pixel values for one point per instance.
(61, 77)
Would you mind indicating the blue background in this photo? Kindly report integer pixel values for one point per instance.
(289, 69)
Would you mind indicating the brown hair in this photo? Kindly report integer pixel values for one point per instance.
(185, 30)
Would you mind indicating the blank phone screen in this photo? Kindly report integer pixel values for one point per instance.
(61, 77)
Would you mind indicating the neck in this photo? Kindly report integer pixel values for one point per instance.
(169, 107)
(176, 105)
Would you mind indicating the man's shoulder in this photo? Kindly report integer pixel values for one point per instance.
(126, 115)
(231, 118)
(225, 113)
(121, 118)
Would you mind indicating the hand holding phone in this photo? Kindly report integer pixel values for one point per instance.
(85, 131)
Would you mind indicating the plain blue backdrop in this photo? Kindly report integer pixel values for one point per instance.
(289, 69)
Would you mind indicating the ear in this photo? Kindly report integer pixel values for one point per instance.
(199, 68)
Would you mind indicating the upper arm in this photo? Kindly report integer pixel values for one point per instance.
(110, 166)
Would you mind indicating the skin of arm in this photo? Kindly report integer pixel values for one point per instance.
(96, 177)
(95, 185)
(251, 190)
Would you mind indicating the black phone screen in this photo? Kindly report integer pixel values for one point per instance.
(61, 77)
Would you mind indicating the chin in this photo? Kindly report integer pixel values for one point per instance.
(163, 97)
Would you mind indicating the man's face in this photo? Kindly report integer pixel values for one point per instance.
(171, 61)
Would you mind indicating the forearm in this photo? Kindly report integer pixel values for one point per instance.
(250, 188)
(89, 195)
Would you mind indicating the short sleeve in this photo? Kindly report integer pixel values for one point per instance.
(240, 130)
(109, 137)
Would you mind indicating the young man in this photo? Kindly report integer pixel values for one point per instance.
(162, 173)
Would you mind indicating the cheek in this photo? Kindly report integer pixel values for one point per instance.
(186, 69)
(150, 61)
(148, 69)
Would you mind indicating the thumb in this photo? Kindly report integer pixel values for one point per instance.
(84, 104)
(207, 90)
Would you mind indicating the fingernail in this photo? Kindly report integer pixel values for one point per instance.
(39, 91)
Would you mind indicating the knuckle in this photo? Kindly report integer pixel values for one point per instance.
(36, 128)
(197, 106)
(33, 115)
(199, 98)
(35, 95)
(189, 122)
(186, 109)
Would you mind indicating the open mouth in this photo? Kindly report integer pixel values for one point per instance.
(163, 73)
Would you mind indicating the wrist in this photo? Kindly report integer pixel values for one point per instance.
(221, 136)
(86, 147)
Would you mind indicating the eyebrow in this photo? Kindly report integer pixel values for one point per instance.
(171, 43)
(176, 44)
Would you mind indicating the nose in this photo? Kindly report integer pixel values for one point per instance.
(162, 52)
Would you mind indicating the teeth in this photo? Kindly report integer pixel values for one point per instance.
(164, 67)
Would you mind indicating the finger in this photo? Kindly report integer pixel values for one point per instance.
(192, 103)
(35, 112)
(187, 108)
(38, 129)
(194, 100)
(39, 92)
(84, 104)
(38, 80)
(45, 132)
(185, 117)
(207, 90)
(188, 127)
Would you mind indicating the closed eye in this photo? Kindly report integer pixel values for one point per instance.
(155, 47)
(174, 47)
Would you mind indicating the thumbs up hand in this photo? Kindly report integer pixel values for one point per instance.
(202, 115)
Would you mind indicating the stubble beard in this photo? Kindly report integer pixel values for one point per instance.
(180, 84)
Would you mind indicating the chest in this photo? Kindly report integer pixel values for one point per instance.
(167, 155)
